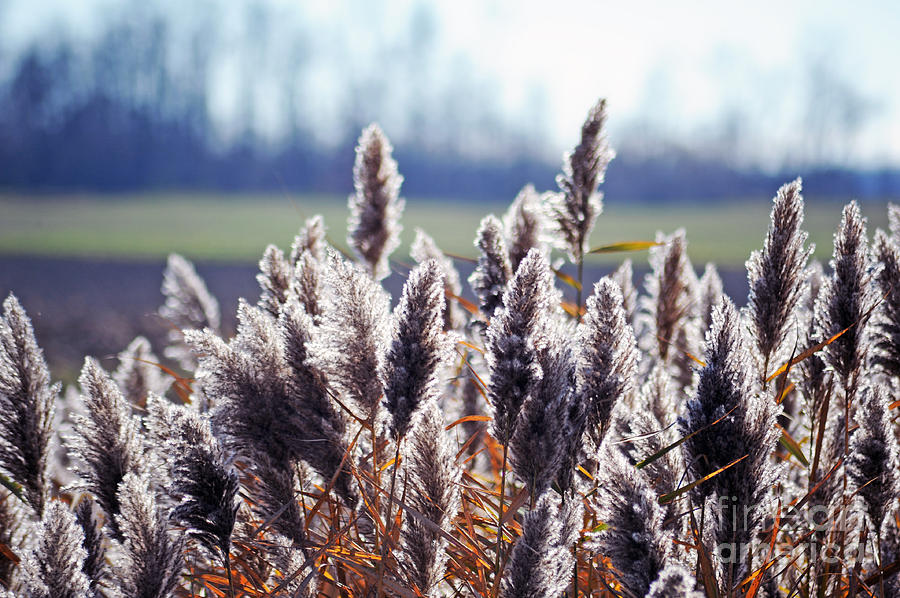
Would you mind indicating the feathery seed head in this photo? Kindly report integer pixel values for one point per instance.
(353, 335)
(624, 277)
(203, 480)
(423, 249)
(54, 569)
(26, 405)
(108, 444)
(729, 419)
(137, 374)
(674, 581)
(433, 484)
(576, 207)
(513, 339)
(95, 560)
(311, 238)
(671, 293)
(636, 544)
(710, 293)
(189, 305)
(545, 440)
(846, 298)
(419, 350)
(886, 321)
(776, 274)
(541, 561)
(306, 284)
(873, 461)
(524, 225)
(609, 357)
(375, 208)
(271, 401)
(274, 279)
(152, 555)
(894, 221)
(493, 270)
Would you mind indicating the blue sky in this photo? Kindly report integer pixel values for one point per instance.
(785, 79)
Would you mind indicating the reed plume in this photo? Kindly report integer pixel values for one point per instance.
(846, 300)
(814, 379)
(608, 361)
(642, 437)
(15, 523)
(433, 492)
(548, 429)
(54, 569)
(274, 280)
(674, 581)
(419, 349)
(375, 208)
(745, 430)
(26, 406)
(576, 207)
(95, 566)
(203, 481)
(524, 225)
(275, 489)
(270, 402)
(354, 331)
(886, 321)
(776, 276)
(311, 238)
(512, 340)
(624, 277)
(710, 294)
(107, 444)
(669, 309)
(423, 249)
(306, 284)
(493, 271)
(541, 560)
(636, 544)
(188, 305)
(873, 461)
(152, 554)
(138, 374)
(894, 221)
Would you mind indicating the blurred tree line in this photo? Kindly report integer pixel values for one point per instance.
(133, 107)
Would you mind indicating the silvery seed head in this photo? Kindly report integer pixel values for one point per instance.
(375, 208)
(576, 206)
(26, 405)
(493, 271)
(107, 445)
(776, 274)
(846, 299)
(138, 374)
(274, 279)
(513, 339)
(423, 249)
(524, 225)
(419, 349)
(54, 568)
(189, 305)
(311, 238)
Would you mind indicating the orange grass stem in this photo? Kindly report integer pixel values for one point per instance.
(499, 556)
(389, 524)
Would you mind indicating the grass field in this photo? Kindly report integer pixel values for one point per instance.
(237, 228)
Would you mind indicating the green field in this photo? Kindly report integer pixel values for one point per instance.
(237, 228)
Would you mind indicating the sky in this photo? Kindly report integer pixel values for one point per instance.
(775, 80)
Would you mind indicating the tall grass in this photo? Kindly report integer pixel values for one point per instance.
(633, 442)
